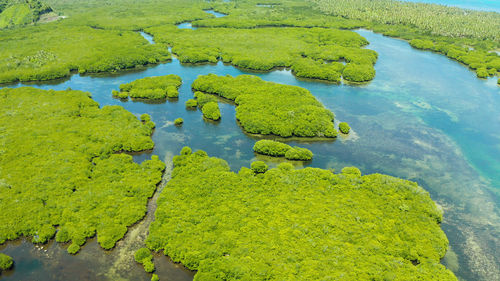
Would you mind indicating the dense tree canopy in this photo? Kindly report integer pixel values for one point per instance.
(151, 88)
(278, 149)
(59, 167)
(257, 226)
(271, 108)
(468, 36)
(96, 36)
(208, 105)
(428, 18)
(44, 52)
(21, 12)
(302, 49)
(344, 128)
(6, 262)
(144, 257)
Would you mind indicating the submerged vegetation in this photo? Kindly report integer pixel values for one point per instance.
(278, 149)
(270, 108)
(6, 262)
(73, 185)
(151, 88)
(267, 231)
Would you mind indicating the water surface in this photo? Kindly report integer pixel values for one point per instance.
(483, 5)
(425, 118)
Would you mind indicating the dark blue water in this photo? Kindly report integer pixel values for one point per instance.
(425, 118)
(483, 5)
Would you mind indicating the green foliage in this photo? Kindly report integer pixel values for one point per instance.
(208, 105)
(452, 21)
(278, 149)
(144, 257)
(271, 148)
(142, 254)
(344, 128)
(73, 248)
(299, 153)
(186, 150)
(172, 92)
(211, 110)
(359, 72)
(21, 12)
(482, 72)
(178, 121)
(18, 14)
(191, 103)
(145, 117)
(351, 171)
(254, 48)
(155, 278)
(270, 108)
(149, 266)
(285, 224)
(485, 63)
(50, 51)
(6, 262)
(130, 14)
(464, 35)
(72, 176)
(309, 68)
(152, 88)
(259, 167)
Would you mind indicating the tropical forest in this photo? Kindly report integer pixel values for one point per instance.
(205, 140)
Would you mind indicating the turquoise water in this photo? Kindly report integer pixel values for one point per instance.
(424, 118)
(185, 25)
(483, 5)
(216, 14)
(188, 25)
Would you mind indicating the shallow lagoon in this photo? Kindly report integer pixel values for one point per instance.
(424, 117)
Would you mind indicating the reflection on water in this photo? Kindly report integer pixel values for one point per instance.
(424, 118)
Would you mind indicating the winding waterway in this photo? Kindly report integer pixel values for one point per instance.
(424, 117)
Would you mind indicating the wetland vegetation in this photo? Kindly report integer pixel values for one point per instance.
(76, 182)
(340, 228)
(21, 12)
(6, 262)
(278, 149)
(151, 88)
(470, 37)
(303, 49)
(270, 108)
(73, 184)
